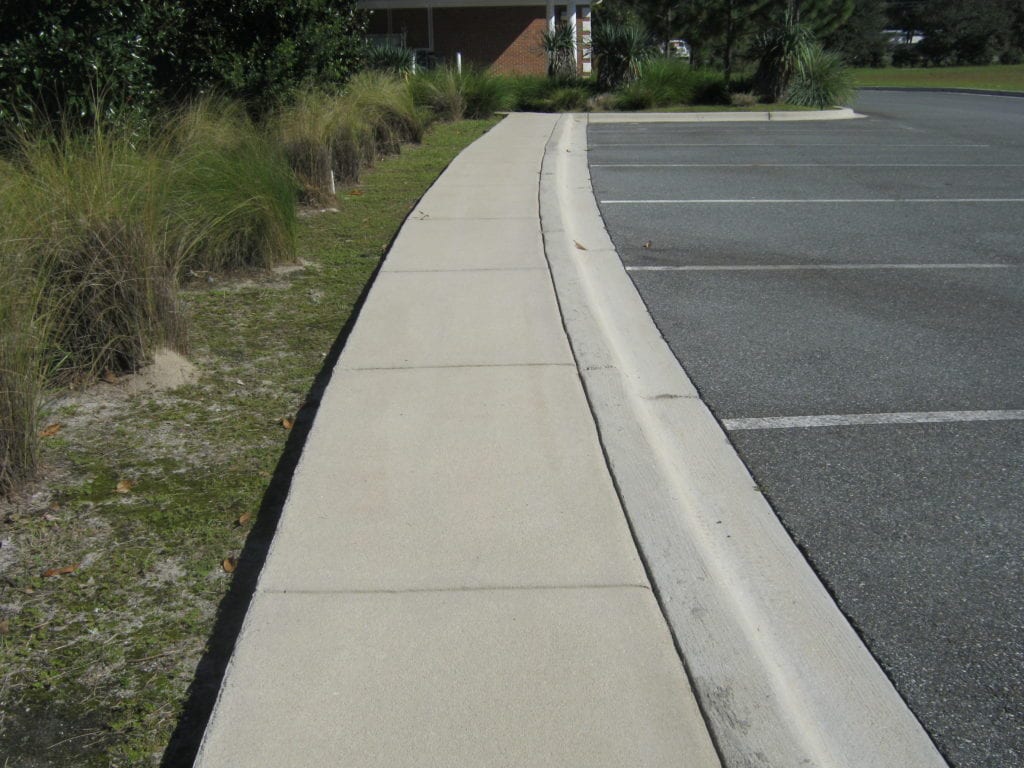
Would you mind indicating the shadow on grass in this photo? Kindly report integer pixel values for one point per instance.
(202, 693)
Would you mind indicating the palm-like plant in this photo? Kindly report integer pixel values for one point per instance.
(558, 46)
(779, 51)
(619, 50)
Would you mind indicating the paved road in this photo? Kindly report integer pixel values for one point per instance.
(867, 277)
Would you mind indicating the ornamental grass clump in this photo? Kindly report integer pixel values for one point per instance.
(228, 192)
(821, 80)
(95, 244)
(387, 104)
(20, 380)
(474, 94)
(661, 82)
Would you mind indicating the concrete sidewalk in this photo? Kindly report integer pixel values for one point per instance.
(454, 582)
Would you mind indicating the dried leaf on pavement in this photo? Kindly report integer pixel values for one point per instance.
(579, 246)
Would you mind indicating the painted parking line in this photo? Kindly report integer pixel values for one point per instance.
(820, 201)
(776, 144)
(869, 419)
(807, 165)
(783, 267)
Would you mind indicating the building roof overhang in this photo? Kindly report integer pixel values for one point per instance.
(379, 5)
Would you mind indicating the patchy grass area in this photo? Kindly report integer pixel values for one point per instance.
(998, 77)
(113, 565)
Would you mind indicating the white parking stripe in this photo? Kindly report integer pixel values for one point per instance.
(775, 144)
(807, 165)
(783, 201)
(781, 267)
(868, 419)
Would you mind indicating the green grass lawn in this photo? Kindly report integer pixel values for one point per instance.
(1008, 77)
(147, 498)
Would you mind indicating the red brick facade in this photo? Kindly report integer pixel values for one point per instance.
(504, 39)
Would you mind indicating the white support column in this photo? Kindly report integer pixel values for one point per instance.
(585, 35)
(575, 34)
(551, 15)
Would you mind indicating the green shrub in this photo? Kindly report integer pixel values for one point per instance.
(710, 87)
(569, 98)
(664, 82)
(535, 93)
(821, 80)
(485, 93)
(661, 82)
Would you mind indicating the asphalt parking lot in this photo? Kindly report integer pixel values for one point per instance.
(848, 297)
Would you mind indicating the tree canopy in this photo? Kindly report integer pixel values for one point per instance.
(57, 54)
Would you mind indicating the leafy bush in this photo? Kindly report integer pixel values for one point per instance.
(821, 80)
(618, 51)
(55, 55)
(710, 87)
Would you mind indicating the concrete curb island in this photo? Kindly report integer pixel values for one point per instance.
(454, 580)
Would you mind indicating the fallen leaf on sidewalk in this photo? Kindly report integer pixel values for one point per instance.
(648, 244)
(578, 246)
(229, 564)
(52, 430)
(61, 571)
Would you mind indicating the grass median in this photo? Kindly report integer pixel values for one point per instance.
(116, 563)
(998, 77)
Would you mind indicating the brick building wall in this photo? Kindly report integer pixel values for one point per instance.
(504, 39)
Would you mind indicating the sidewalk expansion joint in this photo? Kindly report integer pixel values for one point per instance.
(442, 590)
(465, 365)
(458, 271)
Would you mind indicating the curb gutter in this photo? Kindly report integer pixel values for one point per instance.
(839, 113)
(781, 676)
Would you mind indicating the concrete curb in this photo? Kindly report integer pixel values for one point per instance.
(782, 678)
(919, 89)
(840, 113)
